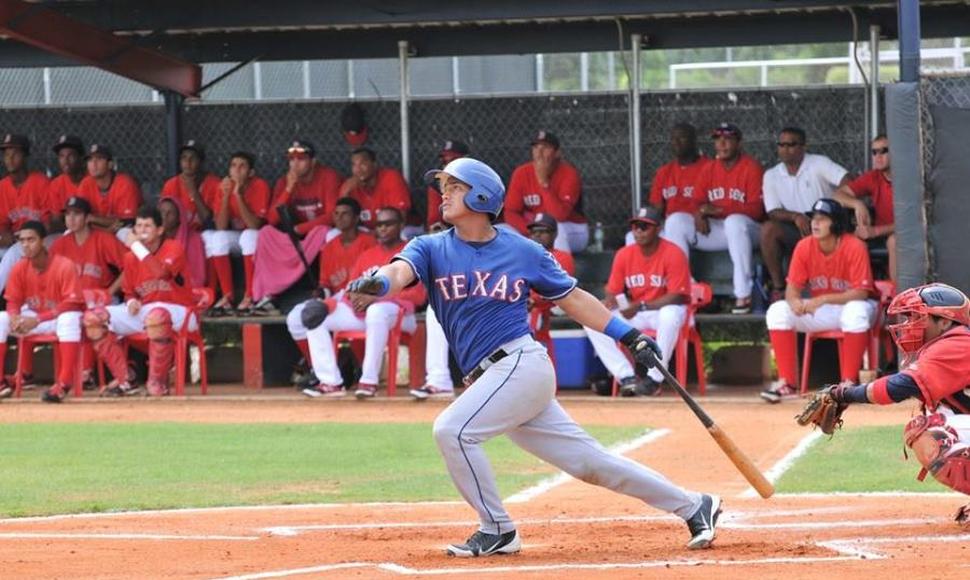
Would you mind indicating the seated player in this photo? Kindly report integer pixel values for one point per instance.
(833, 266)
(649, 288)
(43, 297)
(360, 312)
(177, 227)
(114, 196)
(70, 161)
(543, 231)
(194, 187)
(157, 301)
(374, 187)
(23, 197)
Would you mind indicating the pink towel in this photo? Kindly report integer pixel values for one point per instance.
(191, 240)
(276, 263)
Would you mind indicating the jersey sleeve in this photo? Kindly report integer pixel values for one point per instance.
(170, 189)
(549, 279)
(832, 171)
(863, 185)
(397, 194)
(769, 190)
(616, 283)
(799, 267)
(753, 203)
(941, 369)
(417, 254)
(112, 251)
(860, 269)
(70, 293)
(14, 292)
(565, 194)
(515, 199)
(128, 199)
(656, 197)
(565, 260)
(257, 198)
(678, 271)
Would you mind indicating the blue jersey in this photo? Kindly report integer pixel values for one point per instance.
(479, 290)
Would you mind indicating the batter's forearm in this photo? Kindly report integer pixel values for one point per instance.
(399, 275)
(585, 309)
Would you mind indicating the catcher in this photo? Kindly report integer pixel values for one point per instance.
(931, 331)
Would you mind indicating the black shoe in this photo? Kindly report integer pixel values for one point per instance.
(55, 394)
(123, 390)
(482, 544)
(264, 307)
(301, 372)
(648, 387)
(309, 381)
(628, 387)
(703, 523)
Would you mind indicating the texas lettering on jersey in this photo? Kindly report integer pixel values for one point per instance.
(456, 287)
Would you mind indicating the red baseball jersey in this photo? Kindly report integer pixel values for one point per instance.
(376, 257)
(25, 202)
(676, 187)
(738, 189)
(390, 190)
(526, 197)
(647, 278)
(874, 184)
(160, 277)
(565, 260)
(59, 190)
(48, 293)
(120, 201)
(312, 203)
(942, 370)
(844, 269)
(434, 207)
(208, 190)
(94, 258)
(337, 259)
(256, 196)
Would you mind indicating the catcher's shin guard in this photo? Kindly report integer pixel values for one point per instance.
(938, 449)
(161, 350)
(95, 323)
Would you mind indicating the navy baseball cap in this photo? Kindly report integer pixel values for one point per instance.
(301, 147)
(543, 220)
(726, 130)
(546, 137)
(454, 148)
(648, 215)
(193, 145)
(96, 149)
(11, 141)
(72, 141)
(78, 203)
(827, 206)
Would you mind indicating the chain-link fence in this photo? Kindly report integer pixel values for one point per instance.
(593, 129)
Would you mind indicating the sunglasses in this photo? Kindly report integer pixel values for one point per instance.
(643, 226)
(880, 151)
(540, 230)
(386, 223)
(789, 144)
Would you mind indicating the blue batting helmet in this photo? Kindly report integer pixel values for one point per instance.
(487, 194)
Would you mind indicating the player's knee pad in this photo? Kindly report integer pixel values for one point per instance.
(95, 323)
(314, 313)
(158, 324)
(938, 449)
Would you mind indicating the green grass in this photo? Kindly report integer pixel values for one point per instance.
(69, 468)
(857, 460)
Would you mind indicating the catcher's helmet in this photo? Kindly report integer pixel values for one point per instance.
(487, 194)
(913, 308)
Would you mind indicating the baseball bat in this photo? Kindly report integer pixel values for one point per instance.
(727, 445)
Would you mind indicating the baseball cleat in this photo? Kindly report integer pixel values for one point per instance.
(430, 392)
(703, 523)
(55, 394)
(628, 387)
(482, 544)
(649, 388)
(365, 391)
(328, 391)
(778, 392)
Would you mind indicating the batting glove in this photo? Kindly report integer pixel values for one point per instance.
(377, 285)
(645, 350)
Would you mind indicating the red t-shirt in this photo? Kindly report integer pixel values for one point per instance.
(738, 189)
(434, 207)
(160, 277)
(25, 202)
(59, 190)
(208, 190)
(942, 369)
(312, 203)
(675, 186)
(844, 269)
(336, 260)
(526, 197)
(48, 293)
(92, 258)
(256, 196)
(390, 190)
(874, 184)
(647, 278)
(120, 201)
(376, 257)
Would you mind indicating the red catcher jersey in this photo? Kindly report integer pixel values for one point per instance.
(22, 203)
(160, 277)
(526, 197)
(120, 201)
(874, 184)
(48, 293)
(738, 189)
(390, 190)
(208, 189)
(336, 260)
(647, 278)
(256, 196)
(92, 258)
(312, 203)
(376, 257)
(844, 269)
(942, 370)
(59, 190)
(676, 187)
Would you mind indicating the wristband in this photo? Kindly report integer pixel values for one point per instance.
(385, 284)
(617, 329)
(140, 251)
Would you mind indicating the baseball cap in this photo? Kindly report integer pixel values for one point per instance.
(100, 150)
(454, 149)
(827, 206)
(78, 203)
(11, 140)
(193, 145)
(544, 136)
(72, 141)
(727, 130)
(301, 147)
(353, 124)
(543, 220)
(647, 214)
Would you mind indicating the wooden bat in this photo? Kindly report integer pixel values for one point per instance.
(733, 452)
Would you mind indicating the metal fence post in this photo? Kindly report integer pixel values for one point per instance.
(635, 156)
(402, 55)
(873, 82)
(173, 130)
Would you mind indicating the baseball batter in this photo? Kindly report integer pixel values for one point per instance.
(478, 279)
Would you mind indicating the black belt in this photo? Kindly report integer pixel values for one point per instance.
(482, 366)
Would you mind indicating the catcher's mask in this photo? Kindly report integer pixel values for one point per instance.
(911, 310)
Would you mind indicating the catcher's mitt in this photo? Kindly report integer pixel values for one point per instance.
(823, 411)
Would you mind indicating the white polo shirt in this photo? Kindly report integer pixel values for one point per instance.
(817, 177)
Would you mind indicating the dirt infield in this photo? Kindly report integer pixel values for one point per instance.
(569, 531)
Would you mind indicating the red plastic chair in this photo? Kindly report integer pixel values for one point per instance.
(25, 348)
(701, 295)
(886, 290)
(395, 339)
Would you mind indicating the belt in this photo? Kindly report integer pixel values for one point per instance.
(483, 366)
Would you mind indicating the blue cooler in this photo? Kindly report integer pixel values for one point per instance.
(576, 361)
